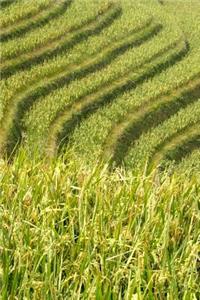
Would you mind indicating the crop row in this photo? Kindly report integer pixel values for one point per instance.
(107, 95)
(19, 11)
(114, 78)
(42, 18)
(128, 84)
(59, 46)
(150, 144)
(90, 138)
(179, 147)
(56, 29)
(129, 131)
(98, 62)
(150, 114)
(124, 122)
(83, 51)
(190, 163)
(139, 40)
(51, 83)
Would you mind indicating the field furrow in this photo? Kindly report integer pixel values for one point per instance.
(81, 53)
(19, 12)
(43, 17)
(99, 149)
(184, 150)
(96, 130)
(150, 142)
(82, 109)
(150, 114)
(57, 29)
(61, 45)
(61, 71)
(171, 146)
(16, 110)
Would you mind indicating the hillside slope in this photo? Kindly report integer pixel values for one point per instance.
(99, 149)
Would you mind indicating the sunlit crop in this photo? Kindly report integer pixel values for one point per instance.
(99, 149)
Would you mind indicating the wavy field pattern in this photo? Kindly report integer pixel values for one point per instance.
(44, 16)
(101, 82)
(99, 149)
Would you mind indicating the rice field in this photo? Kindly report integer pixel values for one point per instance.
(100, 149)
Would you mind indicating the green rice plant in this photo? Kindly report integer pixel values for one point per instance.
(116, 116)
(9, 92)
(77, 72)
(20, 11)
(171, 147)
(189, 164)
(61, 44)
(43, 17)
(128, 103)
(113, 51)
(57, 29)
(98, 79)
(185, 149)
(150, 114)
(72, 233)
(158, 136)
(124, 87)
(99, 63)
(90, 105)
(81, 52)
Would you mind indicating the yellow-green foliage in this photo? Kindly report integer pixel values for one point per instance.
(70, 233)
(99, 149)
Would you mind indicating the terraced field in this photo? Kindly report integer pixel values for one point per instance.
(99, 82)
(112, 83)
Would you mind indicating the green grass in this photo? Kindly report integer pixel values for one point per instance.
(99, 150)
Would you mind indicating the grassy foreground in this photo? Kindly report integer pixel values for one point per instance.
(69, 233)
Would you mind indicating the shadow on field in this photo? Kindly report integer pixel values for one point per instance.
(17, 32)
(183, 150)
(66, 45)
(149, 121)
(27, 101)
(178, 152)
(6, 3)
(70, 125)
